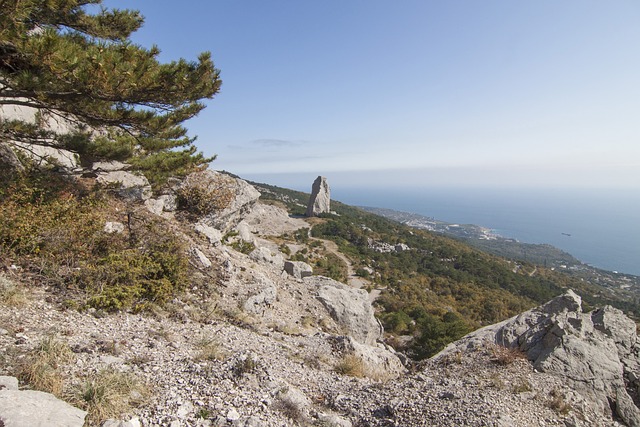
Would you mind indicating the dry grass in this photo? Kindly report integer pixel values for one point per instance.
(522, 386)
(350, 365)
(41, 368)
(11, 294)
(109, 394)
(209, 349)
(506, 356)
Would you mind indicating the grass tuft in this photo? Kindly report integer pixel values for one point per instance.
(110, 394)
(41, 368)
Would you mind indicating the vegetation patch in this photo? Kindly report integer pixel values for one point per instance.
(41, 367)
(109, 394)
(11, 294)
(350, 365)
(54, 229)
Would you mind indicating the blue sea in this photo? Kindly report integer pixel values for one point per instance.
(599, 227)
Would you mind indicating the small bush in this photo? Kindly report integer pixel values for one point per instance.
(55, 228)
(523, 386)
(203, 192)
(245, 365)
(209, 350)
(350, 365)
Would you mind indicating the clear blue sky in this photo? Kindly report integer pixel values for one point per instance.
(440, 93)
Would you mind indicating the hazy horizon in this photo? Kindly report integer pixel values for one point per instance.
(470, 93)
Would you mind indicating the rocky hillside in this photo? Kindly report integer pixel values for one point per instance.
(258, 338)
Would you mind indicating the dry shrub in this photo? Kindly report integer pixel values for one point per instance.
(110, 394)
(209, 349)
(350, 365)
(204, 192)
(523, 386)
(41, 368)
(506, 356)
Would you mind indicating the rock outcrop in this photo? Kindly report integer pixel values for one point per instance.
(320, 199)
(244, 198)
(349, 307)
(596, 352)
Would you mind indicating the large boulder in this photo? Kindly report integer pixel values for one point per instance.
(596, 352)
(244, 197)
(349, 307)
(298, 269)
(379, 361)
(37, 409)
(266, 256)
(320, 199)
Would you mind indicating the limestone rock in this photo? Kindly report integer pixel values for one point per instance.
(264, 298)
(42, 155)
(298, 269)
(133, 422)
(169, 202)
(245, 197)
(131, 186)
(113, 227)
(244, 232)
(8, 383)
(202, 258)
(596, 352)
(110, 166)
(154, 206)
(320, 199)
(333, 420)
(214, 235)
(267, 256)
(293, 400)
(379, 361)
(349, 307)
(37, 409)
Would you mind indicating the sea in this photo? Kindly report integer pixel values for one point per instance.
(599, 227)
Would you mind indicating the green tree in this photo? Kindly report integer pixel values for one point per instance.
(69, 59)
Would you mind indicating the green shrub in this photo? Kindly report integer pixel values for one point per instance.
(138, 276)
(55, 228)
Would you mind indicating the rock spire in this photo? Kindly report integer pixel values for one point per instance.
(320, 199)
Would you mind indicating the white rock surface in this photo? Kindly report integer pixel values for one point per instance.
(320, 200)
(350, 308)
(37, 409)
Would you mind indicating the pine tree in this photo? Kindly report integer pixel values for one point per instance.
(58, 57)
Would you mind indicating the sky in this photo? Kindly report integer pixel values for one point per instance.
(456, 93)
